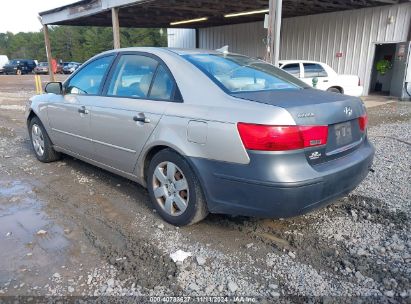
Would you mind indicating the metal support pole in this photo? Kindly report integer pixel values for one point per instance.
(197, 34)
(48, 51)
(274, 30)
(116, 27)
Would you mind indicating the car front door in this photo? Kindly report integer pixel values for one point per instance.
(311, 70)
(292, 68)
(69, 115)
(137, 93)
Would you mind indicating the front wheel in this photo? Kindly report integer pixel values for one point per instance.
(175, 190)
(41, 142)
(19, 72)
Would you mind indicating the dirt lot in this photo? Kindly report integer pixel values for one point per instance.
(101, 236)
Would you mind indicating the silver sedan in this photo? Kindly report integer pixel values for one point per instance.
(205, 131)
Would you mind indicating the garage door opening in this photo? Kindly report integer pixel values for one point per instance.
(382, 69)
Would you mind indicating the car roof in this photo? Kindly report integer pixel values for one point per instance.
(179, 51)
(299, 61)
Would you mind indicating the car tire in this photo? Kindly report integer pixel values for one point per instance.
(334, 90)
(177, 195)
(41, 143)
(19, 72)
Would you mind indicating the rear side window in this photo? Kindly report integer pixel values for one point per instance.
(293, 69)
(314, 70)
(163, 85)
(88, 80)
(132, 76)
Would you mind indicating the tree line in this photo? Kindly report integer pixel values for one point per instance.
(75, 43)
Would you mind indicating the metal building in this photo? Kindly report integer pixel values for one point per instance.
(349, 41)
(349, 35)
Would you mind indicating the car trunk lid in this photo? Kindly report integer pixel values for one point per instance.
(310, 107)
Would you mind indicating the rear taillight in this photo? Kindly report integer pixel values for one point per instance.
(281, 138)
(363, 122)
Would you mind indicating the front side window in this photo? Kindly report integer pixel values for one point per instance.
(88, 80)
(292, 68)
(132, 76)
(236, 73)
(314, 70)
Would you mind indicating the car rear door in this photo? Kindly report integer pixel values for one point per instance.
(137, 93)
(69, 115)
(311, 70)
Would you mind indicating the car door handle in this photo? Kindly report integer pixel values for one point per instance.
(325, 80)
(142, 119)
(83, 110)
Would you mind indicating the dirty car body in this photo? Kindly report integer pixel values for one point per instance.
(257, 141)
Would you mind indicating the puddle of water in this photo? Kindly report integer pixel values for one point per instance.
(21, 217)
(13, 188)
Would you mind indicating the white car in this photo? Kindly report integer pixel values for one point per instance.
(3, 62)
(328, 79)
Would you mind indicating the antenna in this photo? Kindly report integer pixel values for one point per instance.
(223, 50)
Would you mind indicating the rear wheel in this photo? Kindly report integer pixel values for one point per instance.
(41, 142)
(334, 90)
(175, 190)
(18, 72)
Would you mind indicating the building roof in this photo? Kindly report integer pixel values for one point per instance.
(160, 13)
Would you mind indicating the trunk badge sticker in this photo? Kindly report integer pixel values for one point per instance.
(304, 115)
(348, 111)
(315, 155)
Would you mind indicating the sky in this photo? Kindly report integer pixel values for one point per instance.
(21, 15)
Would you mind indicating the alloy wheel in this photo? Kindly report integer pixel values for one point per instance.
(37, 139)
(170, 188)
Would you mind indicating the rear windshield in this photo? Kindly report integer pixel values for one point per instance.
(237, 73)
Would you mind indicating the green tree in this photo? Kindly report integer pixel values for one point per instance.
(75, 43)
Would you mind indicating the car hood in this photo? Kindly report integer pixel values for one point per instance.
(310, 106)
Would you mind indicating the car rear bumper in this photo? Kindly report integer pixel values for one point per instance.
(275, 185)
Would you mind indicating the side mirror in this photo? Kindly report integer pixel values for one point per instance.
(54, 88)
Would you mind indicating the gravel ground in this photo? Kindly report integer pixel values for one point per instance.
(101, 236)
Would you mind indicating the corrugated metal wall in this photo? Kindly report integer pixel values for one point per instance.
(354, 33)
(317, 37)
(181, 38)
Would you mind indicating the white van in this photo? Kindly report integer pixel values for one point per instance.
(3, 61)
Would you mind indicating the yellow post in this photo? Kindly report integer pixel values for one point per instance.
(39, 88)
(37, 84)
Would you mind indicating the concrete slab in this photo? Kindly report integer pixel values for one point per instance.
(375, 101)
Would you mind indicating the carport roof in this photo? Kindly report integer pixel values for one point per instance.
(160, 13)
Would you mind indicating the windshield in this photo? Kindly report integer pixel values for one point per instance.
(236, 73)
(14, 62)
(43, 64)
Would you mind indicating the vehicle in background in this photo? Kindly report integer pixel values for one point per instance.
(70, 67)
(3, 61)
(41, 68)
(274, 148)
(59, 68)
(328, 79)
(19, 66)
